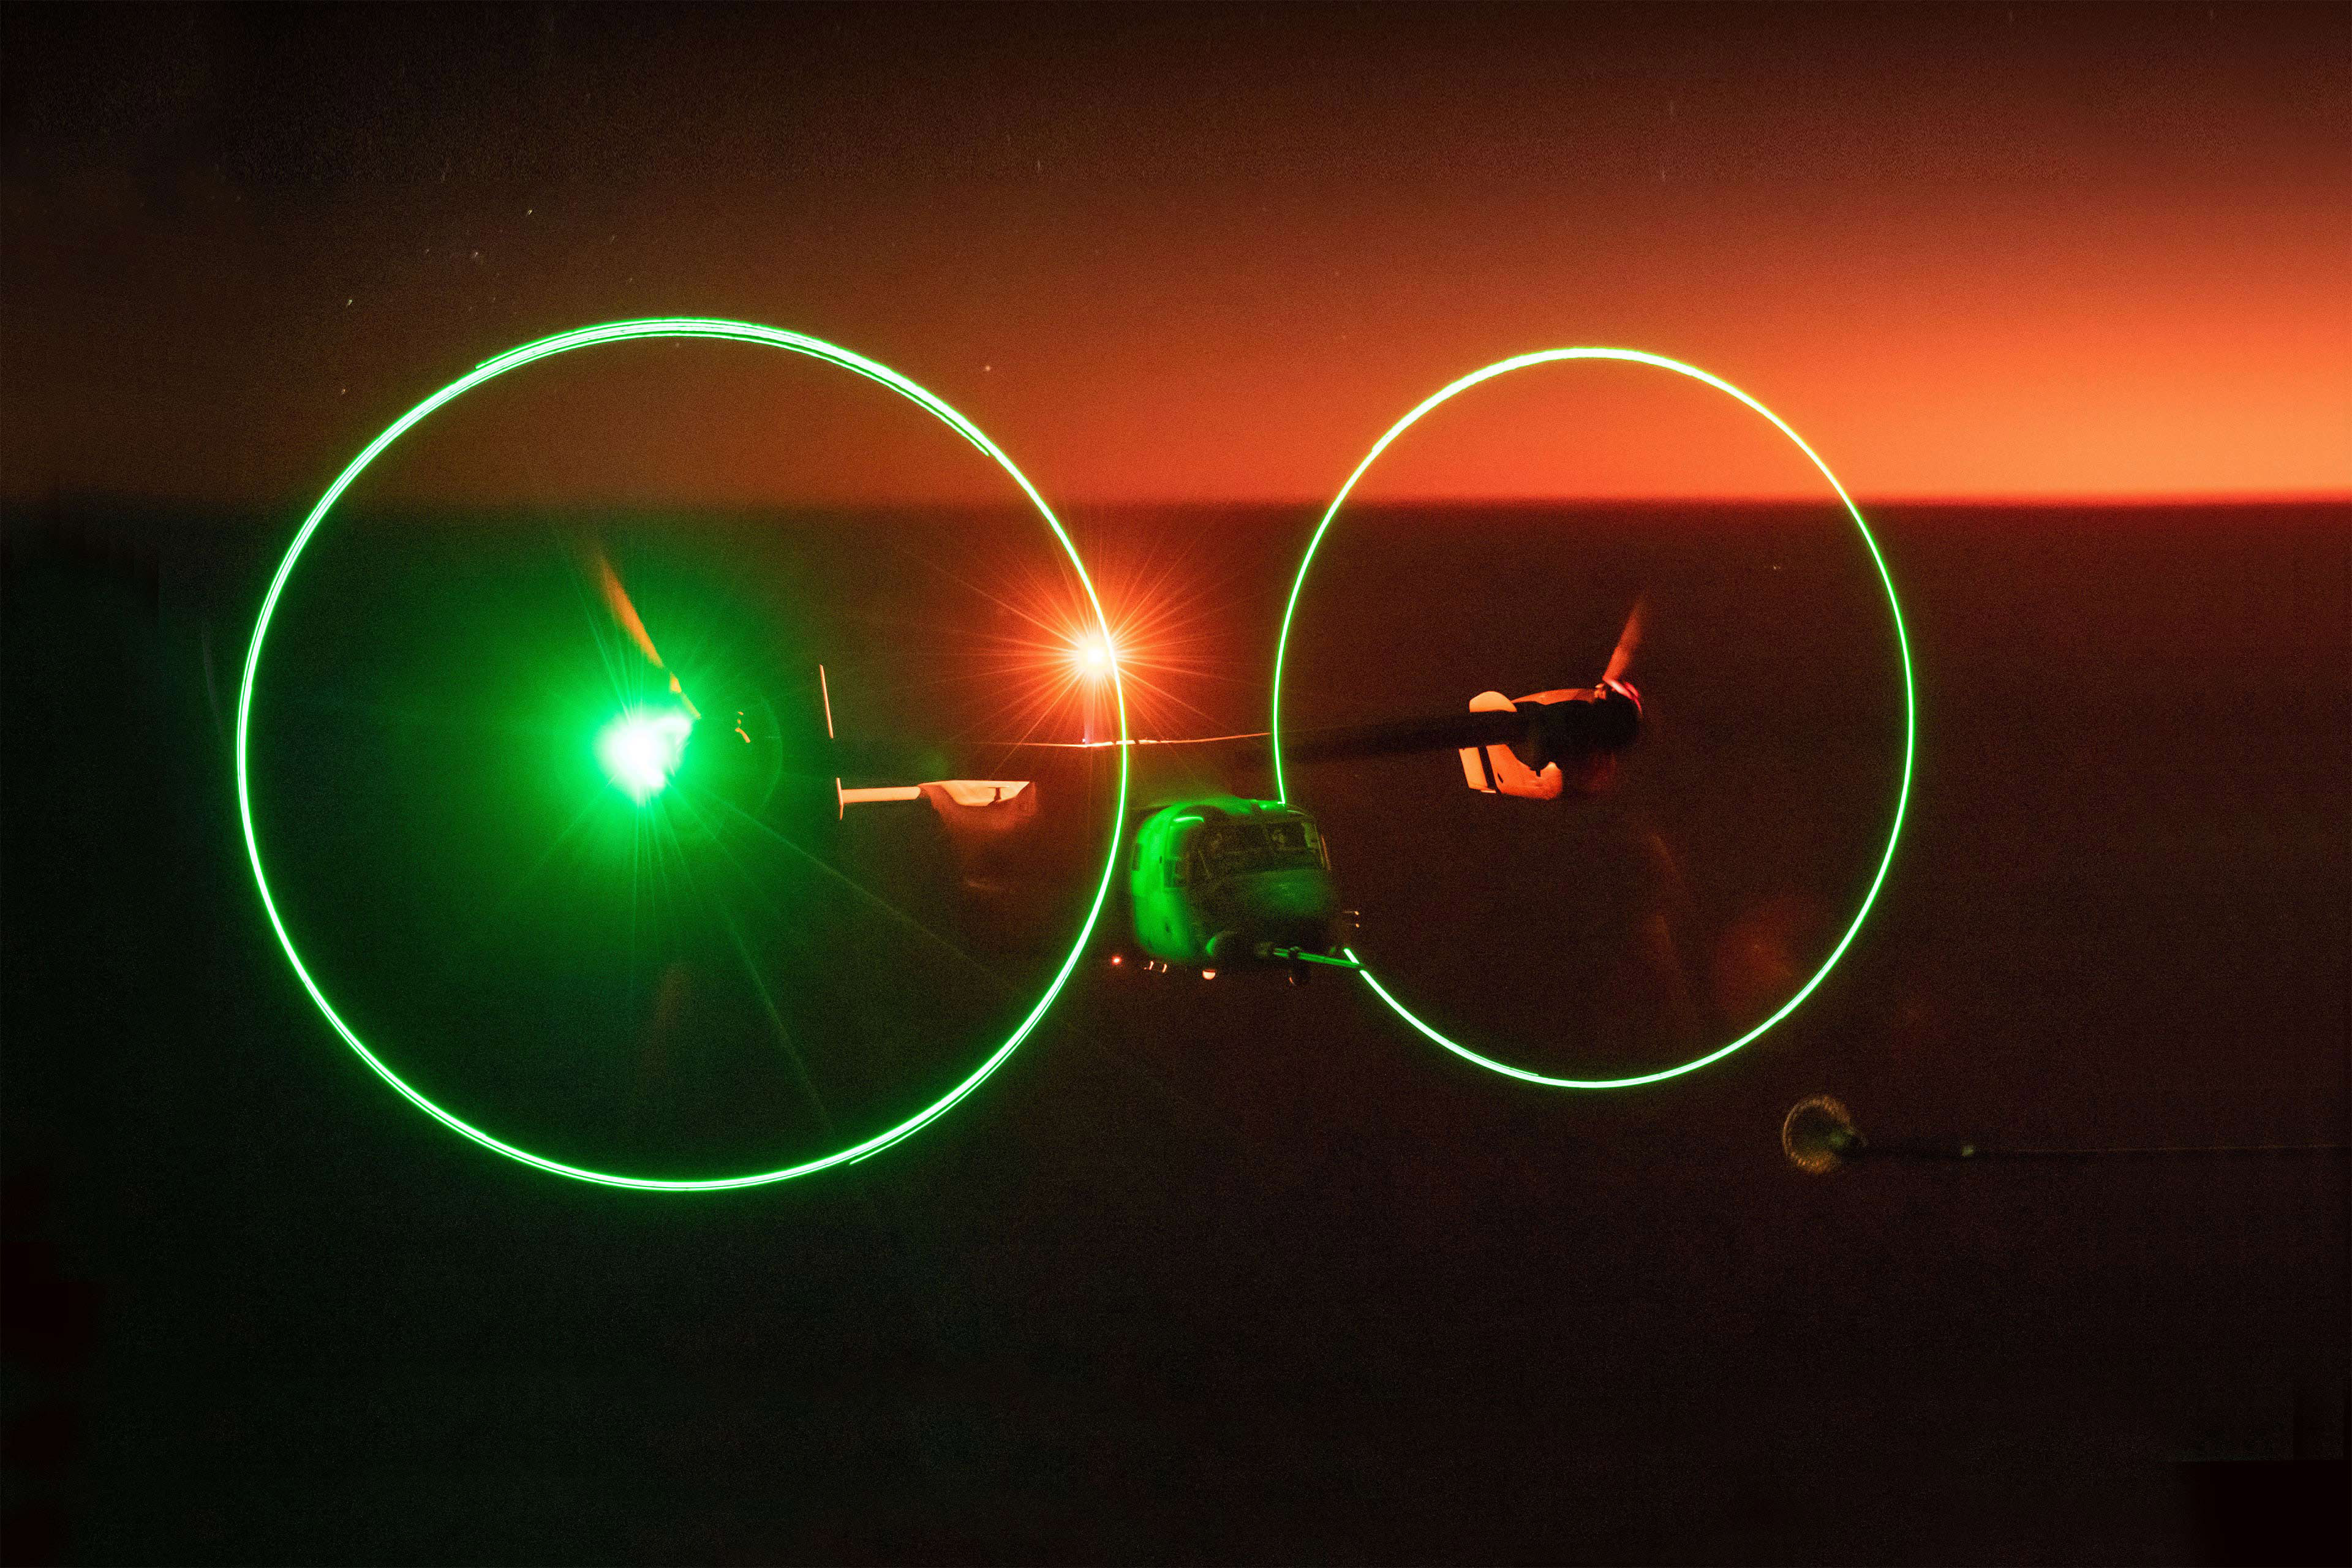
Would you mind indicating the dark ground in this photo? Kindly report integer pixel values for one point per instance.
(1238, 1274)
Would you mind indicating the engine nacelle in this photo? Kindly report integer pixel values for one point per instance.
(1493, 769)
(1572, 744)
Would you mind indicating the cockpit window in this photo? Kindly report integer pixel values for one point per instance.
(1234, 848)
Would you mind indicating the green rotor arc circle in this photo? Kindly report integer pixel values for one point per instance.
(1902, 645)
(677, 327)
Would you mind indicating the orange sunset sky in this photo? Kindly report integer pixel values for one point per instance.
(1194, 254)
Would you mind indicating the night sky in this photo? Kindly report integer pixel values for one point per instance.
(1216, 1271)
(1202, 254)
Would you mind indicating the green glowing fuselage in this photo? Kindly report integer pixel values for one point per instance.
(1221, 881)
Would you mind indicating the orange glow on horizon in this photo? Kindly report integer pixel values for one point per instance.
(1983, 254)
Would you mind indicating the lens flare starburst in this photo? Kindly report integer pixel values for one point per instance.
(640, 751)
(1033, 665)
(1094, 655)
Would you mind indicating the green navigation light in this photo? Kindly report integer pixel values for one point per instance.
(1902, 648)
(640, 751)
(687, 327)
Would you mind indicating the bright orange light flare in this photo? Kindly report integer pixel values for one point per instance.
(1093, 655)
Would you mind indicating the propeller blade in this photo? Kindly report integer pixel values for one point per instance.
(1621, 658)
(625, 615)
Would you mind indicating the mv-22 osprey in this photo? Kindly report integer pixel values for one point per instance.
(1215, 882)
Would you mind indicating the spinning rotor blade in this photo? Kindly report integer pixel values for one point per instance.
(1621, 658)
(623, 612)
